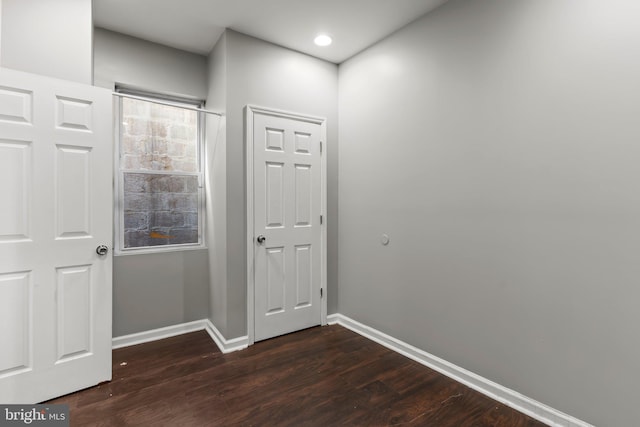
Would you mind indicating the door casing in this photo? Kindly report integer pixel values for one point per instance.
(250, 112)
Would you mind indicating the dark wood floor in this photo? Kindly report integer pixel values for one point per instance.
(325, 376)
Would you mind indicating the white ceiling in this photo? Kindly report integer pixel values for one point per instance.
(196, 25)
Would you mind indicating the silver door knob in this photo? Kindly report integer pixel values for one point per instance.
(102, 250)
(261, 239)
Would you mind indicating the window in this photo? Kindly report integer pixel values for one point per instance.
(160, 197)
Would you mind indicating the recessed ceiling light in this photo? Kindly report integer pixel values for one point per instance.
(322, 40)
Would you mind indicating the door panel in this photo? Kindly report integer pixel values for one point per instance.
(287, 195)
(15, 105)
(303, 202)
(56, 188)
(73, 312)
(15, 189)
(303, 275)
(15, 321)
(275, 281)
(73, 185)
(275, 209)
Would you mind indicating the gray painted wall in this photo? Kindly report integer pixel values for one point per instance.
(217, 186)
(264, 74)
(497, 143)
(48, 38)
(154, 290)
(1, 63)
(140, 64)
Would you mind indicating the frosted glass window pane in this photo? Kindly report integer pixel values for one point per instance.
(158, 137)
(160, 210)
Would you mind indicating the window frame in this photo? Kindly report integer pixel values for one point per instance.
(190, 104)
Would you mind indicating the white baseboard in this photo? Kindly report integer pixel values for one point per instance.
(225, 346)
(513, 399)
(157, 334)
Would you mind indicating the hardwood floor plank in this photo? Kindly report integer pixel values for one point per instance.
(324, 376)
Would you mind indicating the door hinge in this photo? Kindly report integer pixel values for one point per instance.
(321, 219)
(321, 292)
(321, 146)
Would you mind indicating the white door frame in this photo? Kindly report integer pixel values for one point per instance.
(250, 111)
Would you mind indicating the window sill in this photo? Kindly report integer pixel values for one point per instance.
(159, 250)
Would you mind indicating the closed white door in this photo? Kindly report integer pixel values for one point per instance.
(287, 231)
(55, 211)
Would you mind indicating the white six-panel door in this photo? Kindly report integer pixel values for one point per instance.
(287, 229)
(55, 210)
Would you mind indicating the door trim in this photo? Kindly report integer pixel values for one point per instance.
(250, 112)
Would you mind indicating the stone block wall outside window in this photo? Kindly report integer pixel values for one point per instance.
(160, 175)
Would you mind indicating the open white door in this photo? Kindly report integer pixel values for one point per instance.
(286, 227)
(55, 211)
